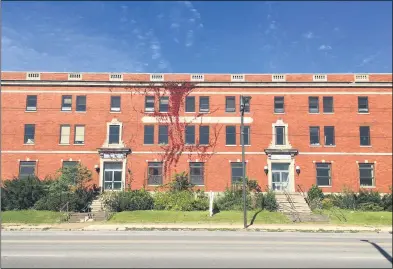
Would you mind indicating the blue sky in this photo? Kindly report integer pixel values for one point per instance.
(197, 37)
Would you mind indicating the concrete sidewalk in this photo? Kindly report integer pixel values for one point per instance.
(185, 226)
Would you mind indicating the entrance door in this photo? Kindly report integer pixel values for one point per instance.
(280, 176)
(112, 175)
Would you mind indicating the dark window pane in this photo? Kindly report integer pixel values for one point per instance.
(246, 135)
(279, 104)
(231, 135)
(364, 135)
(280, 135)
(66, 103)
(154, 173)
(313, 104)
(149, 103)
(115, 103)
(237, 173)
(247, 105)
(31, 103)
(314, 135)
(114, 134)
(328, 104)
(70, 164)
(366, 172)
(26, 168)
(323, 174)
(204, 135)
(149, 135)
(81, 103)
(29, 134)
(197, 173)
(204, 104)
(230, 102)
(190, 104)
(164, 104)
(190, 135)
(329, 136)
(363, 104)
(162, 134)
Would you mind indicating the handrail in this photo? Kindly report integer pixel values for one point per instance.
(303, 194)
(64, 206)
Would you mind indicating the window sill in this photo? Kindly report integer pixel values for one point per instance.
(367, 187)
(314, 113)
(29, 144)
(189, 112)
(231, 145)
(328, 113)
(233, 112)
(79, 144)
(316, 146)
(64, 144)
(115, 112)
(30, 111)
(199, 185)
(163, 112)
(366, 146)
(279, 113)
(364, 113)
(66, 111)
(204, 112)
(320, 186)
(80, 111)
(149, 144)
(329, 146)
(149, 112)
(245, 145)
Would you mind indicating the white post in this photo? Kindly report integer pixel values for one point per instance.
(211, 199)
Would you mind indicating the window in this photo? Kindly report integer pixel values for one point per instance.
(329, 136)
(246, 136)
(204, 104)
(29, 134)
(113, 175)
(115, 103)
(279, 104)
(149, 135)
(230, 135)
(237, 173)
(27, 169)
(230, 102)
(314, 135)
(114, 134)
(364, 135)
(190, 104)
(66, 103)
(31, 103)
(204, 135)
(313, 104)
(247, 105)
(323, 174)
(149, 103)
(197, 173)
(327, 104)
(154, 173)
(366, 172)
(280, 135)
(81, 103)
(79, 136)
(162, 134)
(65, 132)
(363, 104)
(190, 135)
(70, 164)
(164, 104)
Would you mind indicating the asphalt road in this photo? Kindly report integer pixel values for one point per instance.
(194, 250)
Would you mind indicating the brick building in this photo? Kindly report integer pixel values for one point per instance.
(334, 130)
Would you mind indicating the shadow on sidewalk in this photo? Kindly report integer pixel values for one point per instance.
(254, 217)
(381, 250)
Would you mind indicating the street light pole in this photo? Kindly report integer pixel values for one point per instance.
(243, 101)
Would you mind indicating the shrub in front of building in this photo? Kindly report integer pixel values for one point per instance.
(181, 201)
(128, 200)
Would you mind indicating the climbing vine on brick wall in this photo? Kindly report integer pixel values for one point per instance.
(176, 147)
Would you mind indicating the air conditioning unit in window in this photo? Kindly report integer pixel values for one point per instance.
(30, 141)
(33, 76)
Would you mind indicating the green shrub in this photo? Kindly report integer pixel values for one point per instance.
(180, 201)
(23, 193)
(315, 193)
(327, 203)
(386, 201)
(345, 200)
(233, 200)
(128, 201)
(269, 201)
(365, 196)
(257, 200)
(253, 185)
(180, 182)
(4, 200)
(370, 206)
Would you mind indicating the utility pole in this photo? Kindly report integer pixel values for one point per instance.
(243, 101)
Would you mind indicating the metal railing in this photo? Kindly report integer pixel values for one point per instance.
(65, 208)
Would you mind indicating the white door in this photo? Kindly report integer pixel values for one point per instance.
(280, 176)
(112, 175)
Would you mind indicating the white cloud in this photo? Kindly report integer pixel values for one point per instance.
(190, 38)
(309, 35)
(174, 25)
(325, 47)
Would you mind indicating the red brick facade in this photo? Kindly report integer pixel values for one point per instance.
(344, 157)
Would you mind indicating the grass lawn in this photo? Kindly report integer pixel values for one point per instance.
(30, 217)
(360, 217)
(227, 217)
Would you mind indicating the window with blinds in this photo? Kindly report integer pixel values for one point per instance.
(79, 134)
(65, 131)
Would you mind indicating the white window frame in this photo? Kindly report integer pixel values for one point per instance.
(280, 123)
(66, 141)
(75, 134)
(121, 143)
(372, 173)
